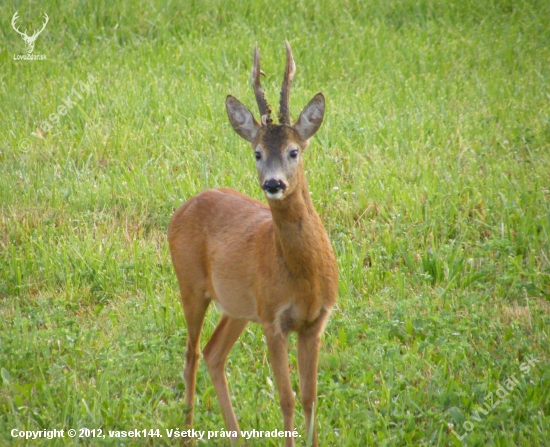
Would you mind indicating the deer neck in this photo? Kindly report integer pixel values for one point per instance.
(298, 231)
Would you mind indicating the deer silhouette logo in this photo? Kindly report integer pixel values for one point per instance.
(29, 40)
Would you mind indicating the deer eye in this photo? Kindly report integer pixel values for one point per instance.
(258, 155)
(293, 153)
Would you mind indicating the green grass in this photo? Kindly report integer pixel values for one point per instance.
(431, 174)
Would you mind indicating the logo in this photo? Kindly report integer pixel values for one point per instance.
(29, 40)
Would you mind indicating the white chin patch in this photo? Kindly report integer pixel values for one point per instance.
(275, 196)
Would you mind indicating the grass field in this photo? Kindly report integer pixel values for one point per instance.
(431, 173)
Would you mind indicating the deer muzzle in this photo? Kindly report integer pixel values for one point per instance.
(274, 188)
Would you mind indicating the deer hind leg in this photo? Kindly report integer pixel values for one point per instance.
(215, 354)
(194, 311)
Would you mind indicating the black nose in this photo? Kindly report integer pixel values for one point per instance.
(273, 186)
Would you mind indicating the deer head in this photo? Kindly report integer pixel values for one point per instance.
(278, 148)
(29, 40)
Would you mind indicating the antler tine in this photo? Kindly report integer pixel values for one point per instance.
(290, 70)
(263, 106)
(13, 20)
(36, 33)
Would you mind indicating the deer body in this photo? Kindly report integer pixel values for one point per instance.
(272, 264)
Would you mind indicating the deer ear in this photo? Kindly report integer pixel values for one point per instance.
(241, 119)
(311, 117)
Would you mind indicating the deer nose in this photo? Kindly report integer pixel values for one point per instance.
(273, 186)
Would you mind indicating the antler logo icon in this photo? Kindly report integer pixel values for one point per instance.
(29, 40)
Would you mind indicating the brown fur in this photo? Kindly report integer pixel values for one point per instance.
(270, 264)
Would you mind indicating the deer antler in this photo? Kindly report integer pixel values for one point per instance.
(13, 20)
(263, 106)
(25, 36)
(290, 70)
(36, 33)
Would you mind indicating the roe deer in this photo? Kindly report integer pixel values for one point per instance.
(270, 264)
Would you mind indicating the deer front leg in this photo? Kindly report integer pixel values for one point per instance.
(309, 341)
(308, 354)
(277, 345)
